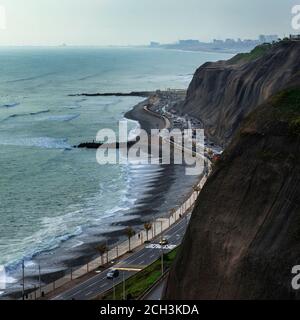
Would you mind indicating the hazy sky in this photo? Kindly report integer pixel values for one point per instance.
(123, 22)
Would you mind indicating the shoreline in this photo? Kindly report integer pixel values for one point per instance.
(149, 204)
(149, 119)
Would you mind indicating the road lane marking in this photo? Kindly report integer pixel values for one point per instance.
(129, 269)
(130, 261)
(158, 246)
(94, 281)
(80, 288)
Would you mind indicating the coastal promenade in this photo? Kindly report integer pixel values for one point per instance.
(129, 265)
(165, 119)
(89, 280)
(118, 257)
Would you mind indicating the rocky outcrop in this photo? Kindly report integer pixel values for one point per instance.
(96, 145)
(116, 94)
(244, 235)
(221, 94)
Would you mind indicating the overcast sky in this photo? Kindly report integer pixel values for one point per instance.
(125, 22)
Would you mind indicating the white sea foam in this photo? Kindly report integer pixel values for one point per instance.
(39, 88)
(78, 244)
(40, 142)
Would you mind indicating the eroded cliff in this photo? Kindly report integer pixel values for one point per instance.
(244, 235)
(221, 94)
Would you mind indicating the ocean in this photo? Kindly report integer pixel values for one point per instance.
(55, 198)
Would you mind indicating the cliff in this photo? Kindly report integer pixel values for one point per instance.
(223, 93)
(244, 235)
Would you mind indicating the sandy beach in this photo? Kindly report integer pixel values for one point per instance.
(166, 190)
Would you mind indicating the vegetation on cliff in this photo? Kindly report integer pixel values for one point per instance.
(256, 53)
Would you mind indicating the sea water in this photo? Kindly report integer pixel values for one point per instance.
(52, 194)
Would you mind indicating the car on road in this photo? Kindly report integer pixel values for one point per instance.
(112, 274)
(163, 242)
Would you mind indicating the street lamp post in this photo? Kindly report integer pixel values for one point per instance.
(40, 282)
(162, 261)
(124, 292)
(107, 251)
(114, 289)
(152, 230)
(23, 280)
(162, 249)
(34, 292)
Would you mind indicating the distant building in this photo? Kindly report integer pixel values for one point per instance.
(189, 42)
(230, 41)
(154, 44)
(218, 42)
(229, 44)
(272, 38)
(250, 42)
(295, 37)
(268, 38)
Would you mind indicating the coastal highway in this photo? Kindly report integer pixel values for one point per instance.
(128, 266)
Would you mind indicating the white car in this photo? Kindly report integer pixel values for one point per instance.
(163, 242)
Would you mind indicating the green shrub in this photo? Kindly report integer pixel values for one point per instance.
(257, 52)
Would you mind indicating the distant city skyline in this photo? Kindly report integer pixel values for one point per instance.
(227, 45)
(260, 38)
(138, 22)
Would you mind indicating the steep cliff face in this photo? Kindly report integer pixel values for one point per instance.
(221, 94)
(244, 234)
